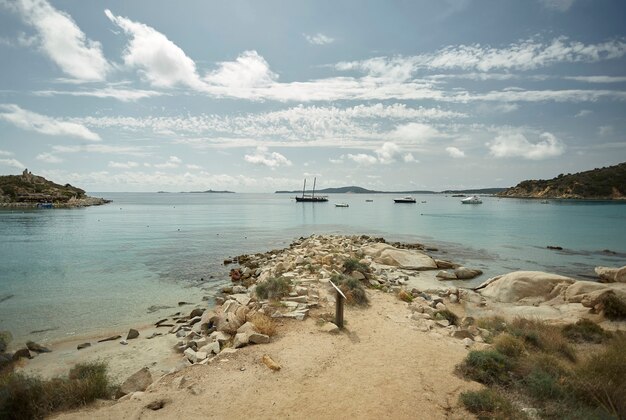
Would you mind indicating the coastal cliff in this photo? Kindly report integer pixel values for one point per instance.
(28, 190)
(607, 183)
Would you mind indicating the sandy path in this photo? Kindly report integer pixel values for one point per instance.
(381, 367)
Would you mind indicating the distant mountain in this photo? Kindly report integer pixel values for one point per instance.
(211, 192)
(475, 191)
(353, 190)
(28, 190)
(598, 184)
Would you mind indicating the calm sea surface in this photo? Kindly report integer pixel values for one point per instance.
(78, 271)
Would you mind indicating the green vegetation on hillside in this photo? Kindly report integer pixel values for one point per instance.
(29, 188)
(601, 184)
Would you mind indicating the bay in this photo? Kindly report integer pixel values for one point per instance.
(67, 272)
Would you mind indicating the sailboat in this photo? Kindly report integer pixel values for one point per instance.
(312, 198)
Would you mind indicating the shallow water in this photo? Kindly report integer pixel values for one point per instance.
(73, 271)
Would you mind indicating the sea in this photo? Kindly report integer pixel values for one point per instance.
(68, 273)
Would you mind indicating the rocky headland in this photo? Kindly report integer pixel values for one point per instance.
(270, 347)
(607, 183)
(31, 191)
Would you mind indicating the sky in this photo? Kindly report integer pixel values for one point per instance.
(254, 96)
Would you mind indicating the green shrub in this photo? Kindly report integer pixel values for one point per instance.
(487, 366)
(449, 315)
(25, 397)
(542, 336)
(274, 288)
(405, 296)
(614, 308)
(508, 345)
(352, 288)
(601, 380)
(487, 404)
(352, 264)
(495, 324)
(542, 386)
(585, 330)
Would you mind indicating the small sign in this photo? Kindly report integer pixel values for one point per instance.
(338, 290)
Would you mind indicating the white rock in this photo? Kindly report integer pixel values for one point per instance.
(211, 348)
(329, 327)
(467, 342)
(241, 339)
(258, 338)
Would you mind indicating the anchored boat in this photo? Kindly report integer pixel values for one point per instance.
(472, 200)
(407, 199)
(311, 198)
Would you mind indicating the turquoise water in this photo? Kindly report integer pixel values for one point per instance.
(76, 271)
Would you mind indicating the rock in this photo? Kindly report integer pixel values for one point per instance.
(132, 334)
(5, 360)
(154, 334)
(200, 356)
(156, 404)
(403, 258)
(83, 346)
(115, 337)
(620, 276)
(518, 285)
(193, 356)
(463, 334)
(241, 298)
(270, 363)
(248, 327)
(211, 348)
(138, 381)
(22, 353)
(443, 264)
(330, 328)
(221, 337)
(445, 275)
(229, 323)
(463, 273)
(258, 338)
(239, 289)
(453, 298)
(443, 322)
(555, 247)
(440, 306)
(241, 340)
(357, 275)
(5, 338)
(196, 312)
(468, 342)
(37, 348)
(606, 274)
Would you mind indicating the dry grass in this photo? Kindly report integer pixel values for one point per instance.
(273, 288)
(508, 345)
(264, 324)
(405, 296)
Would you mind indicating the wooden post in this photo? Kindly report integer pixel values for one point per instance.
(340, 297)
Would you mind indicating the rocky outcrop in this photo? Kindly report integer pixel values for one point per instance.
(611, 274)
(519, 285)
(402, 258)
(138, 381)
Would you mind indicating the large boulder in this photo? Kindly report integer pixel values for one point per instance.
(606, 274)
(464, 273)
(138, 381)
(402, 258)
(518, 285)
(620, 276)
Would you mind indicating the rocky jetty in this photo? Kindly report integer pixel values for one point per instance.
(28, 190)
(598, 184)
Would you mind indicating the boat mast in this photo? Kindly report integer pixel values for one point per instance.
(304, 187)
(313, 195)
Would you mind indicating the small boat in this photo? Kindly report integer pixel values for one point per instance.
(341, 205)
(423, 201)
(312, 198)
(407, 199)
(369, 201)
(473, 199)
(46, 205)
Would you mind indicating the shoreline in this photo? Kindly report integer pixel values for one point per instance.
(72, 203)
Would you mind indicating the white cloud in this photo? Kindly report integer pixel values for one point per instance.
(5, 153)
(598, 79)
(515, 144)
(193, 167)
(319, 39)
(408, 158)
(49, 158)
(12, 163)
(390, 152)
(558, 5)
(162, 62)
(455, 152)
(363, 159)
(172, 162)
(414, 133)
(247, 71)
(62, 40)
(262, 156)
(124, 95)
(123, 165)
(32, 121)
(101, 148)
(606, 130)
(336, 161)
(583, 113)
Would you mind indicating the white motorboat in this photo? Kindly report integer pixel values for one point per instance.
(474, 199)
(407, 199)
(341, 205)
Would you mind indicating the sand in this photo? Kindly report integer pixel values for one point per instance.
(380, 366)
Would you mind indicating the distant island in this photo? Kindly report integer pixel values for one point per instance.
(210, 192)
(607, 183)
(361, 190)
(29, 191)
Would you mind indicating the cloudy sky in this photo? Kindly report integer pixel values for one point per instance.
(254, 96)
